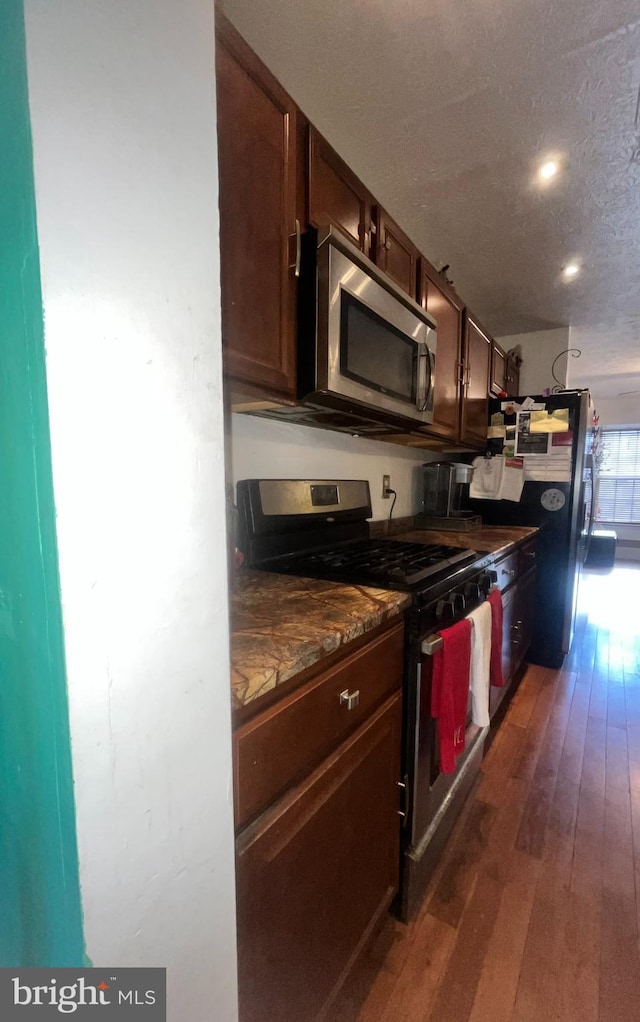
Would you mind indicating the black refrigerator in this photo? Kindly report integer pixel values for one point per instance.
(560, 508)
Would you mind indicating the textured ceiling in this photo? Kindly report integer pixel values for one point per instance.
(445, 109)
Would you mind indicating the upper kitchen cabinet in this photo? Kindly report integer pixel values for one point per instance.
(441, 301)
(395, 253)
(475, 386)
(498, 382)
(512, 378)
(258, 167)
(336, 197)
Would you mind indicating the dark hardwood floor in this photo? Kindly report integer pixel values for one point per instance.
(533, 914)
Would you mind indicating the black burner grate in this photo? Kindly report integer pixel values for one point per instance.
(378, 562)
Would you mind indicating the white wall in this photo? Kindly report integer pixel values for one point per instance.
(264, 448)
(539, 349)
(618, 411)
(123, 117)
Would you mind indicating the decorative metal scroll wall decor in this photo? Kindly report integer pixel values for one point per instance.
(575, 353)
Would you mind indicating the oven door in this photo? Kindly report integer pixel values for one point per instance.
(431, 787)
(375, 345)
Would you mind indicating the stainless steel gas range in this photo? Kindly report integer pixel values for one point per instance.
(319, 528)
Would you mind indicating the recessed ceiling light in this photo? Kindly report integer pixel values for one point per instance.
(570, 271)
(548, 170)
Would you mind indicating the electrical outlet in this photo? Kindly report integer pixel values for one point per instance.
(386, 483)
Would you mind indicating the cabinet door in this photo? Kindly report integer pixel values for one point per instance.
(498, 369)
(526, 605)
(512, 384)
(257, 167)
(395, 253)
(314, 873)
(476, 384)
(336, 197)
(446, 308)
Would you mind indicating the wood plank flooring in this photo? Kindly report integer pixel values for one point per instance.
(534, 912)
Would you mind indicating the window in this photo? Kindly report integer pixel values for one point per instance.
(619, 488)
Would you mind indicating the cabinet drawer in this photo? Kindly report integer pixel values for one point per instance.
(507, 570)
(291, 737)
(526, 557)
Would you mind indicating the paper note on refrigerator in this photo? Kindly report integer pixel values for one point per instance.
(512, 479)
(497, 478)
(549, 468)
(556, 421)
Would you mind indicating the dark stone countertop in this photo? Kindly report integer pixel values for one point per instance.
(281, 625)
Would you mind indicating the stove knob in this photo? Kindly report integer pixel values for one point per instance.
(486, 580)
(472, 591)
(458, 602)
(444, 610)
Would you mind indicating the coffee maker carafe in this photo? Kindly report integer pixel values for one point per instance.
(445, 484)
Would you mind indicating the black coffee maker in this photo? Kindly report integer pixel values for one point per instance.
(445, 487)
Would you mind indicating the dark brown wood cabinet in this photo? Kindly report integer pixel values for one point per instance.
(317, 866)
(512, 379)
(498, 382)
(278, 175)
(475, 387)
(315, 873)
(509, 607)
(516, 578)
(525, 609)
(257, 155)
(395, 253)
(336, 197)
(441, 301)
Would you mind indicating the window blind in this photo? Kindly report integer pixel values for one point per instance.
(619, 487)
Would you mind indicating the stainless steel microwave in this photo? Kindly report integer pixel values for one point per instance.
(365, 348)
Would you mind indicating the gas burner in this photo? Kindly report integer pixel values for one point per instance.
(382, 563)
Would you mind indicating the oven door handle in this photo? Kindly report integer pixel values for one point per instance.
(431, 645)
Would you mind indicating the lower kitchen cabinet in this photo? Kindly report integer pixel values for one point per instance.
(525, 608)
(315, 873)
(317, 851)
(517, 581)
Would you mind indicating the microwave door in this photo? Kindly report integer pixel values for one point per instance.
(371, 346)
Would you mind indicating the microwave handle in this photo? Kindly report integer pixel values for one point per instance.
(425, 378)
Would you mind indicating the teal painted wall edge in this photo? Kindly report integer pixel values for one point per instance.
(40, 910)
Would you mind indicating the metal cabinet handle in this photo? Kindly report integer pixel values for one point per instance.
(350, 699)
(467, 375)
(404, 788)
(298, 248)
(509, 572)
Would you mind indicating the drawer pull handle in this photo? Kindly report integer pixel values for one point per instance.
(509, 572)
(350, 699)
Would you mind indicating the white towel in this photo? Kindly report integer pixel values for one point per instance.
(480, 660)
